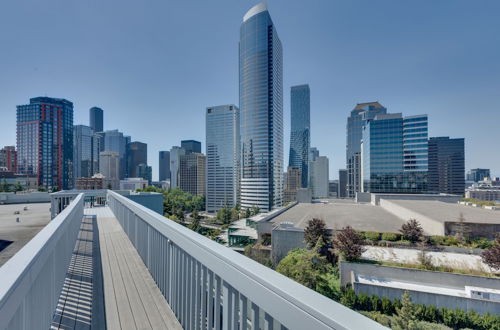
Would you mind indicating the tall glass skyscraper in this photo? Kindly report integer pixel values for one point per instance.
(360, 115)
(115, 141)
(137, 154)
(223, 156)
(300, 135)
(82, 151)
(394, 154)
(45, 141)
(446, 165)
(96, 119)
(164, 165)
(261, 105)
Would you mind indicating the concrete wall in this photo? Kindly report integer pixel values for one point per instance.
(283, 240)
(430, 226)
(348, 273)
(488, 230)
(34, 197)
(363, 197)
(152, 201)
(375, 198)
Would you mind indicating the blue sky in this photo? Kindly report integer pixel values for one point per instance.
(154, 66)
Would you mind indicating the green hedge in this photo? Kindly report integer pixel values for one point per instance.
(392, 237)
(454, 318)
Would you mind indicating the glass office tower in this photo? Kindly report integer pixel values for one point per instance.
(82, 151)
(164, 165)
(223, 156)
(360, 115)
(137, 154)
(115, 141)
(96, 119)
(300, 135)
(45, 141)
(261, 106)
(446, 165)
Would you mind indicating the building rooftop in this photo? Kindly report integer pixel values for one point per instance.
(341, 213)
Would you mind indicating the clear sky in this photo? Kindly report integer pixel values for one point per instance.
(155, 65)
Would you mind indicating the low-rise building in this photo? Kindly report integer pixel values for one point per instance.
(96, 182)
(133, 184)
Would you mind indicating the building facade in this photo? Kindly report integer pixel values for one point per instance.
(137, 153)
(320, 177)
(342, 187)
(82, 152)
(300, 134)
(293, 182)
(45, 141)
(175, 159)
(96, 119)
(261, 106)
(478, 174)
(394, 154)
(164, 165)
(223, 156)
(446, 165)
(96, 182)
(8, 158)
(192, 177)
(145, 172)
(191, 146)
(109, 164)
(115, 141)
(360, 115)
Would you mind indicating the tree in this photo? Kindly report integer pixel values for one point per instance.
(254, 210)
(224, 215)
(306, 267)
(412, 230)
(348, 243)
(315, 229)
(405, 318)
(195, 225)
(491, 256)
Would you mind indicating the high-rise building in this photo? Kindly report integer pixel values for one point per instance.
(394, 154)
(223, 156)
(360, 115)
(145, 172)
(342, 187)
(319, 177)
(446, 165)
(261, 110)
(293, 181)
(8, 158)
(137, 153)
(478, 174)
(109, 164)
(115, 141)
(82, 151)
(96, 119)
(97, 147)
(300, 135)
(313, 153)
(191, 146)
(45, 141)
(192, 173)
(175, 159)
(164, 165)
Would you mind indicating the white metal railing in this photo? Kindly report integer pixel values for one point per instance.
(209, 286)
(32, 280)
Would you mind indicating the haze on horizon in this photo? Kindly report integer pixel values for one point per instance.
(154, 67)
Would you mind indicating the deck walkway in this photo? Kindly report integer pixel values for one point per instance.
(132, 298)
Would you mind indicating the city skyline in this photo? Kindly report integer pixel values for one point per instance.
(434, 81)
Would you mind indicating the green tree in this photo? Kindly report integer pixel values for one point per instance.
(224, 215)
(254, 210)
(412, 230)
(491, 256)
(315, 229)
(405, 318)
(195, 225)
(308, 268)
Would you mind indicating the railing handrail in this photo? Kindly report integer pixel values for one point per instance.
(16, 274)
(275, 293)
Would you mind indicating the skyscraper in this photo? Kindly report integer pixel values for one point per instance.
(45, 141)
(175, 159)
(478, 174)
(82, 151)
(360, 115)
(96, 119)
(394, 154)
(8, 158)
(446, 165)
(261, 106)
(293, 181)
(320, 177)
(223, 156)
(144, 171)
(192, 173)
(115, 141)
(342, 189)
(164, 165)
(191, 146)
(109, 164)
(300, 135)
(137, 153)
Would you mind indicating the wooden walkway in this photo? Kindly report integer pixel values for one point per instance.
(132, 298)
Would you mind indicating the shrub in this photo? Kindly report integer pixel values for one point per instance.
(491, 256)
(412, 230)
(391, 237)
(348, 298)
(482, 243)
(372, 236)
(387, 306)
(348, 243)
(451, 241)
(437, 240)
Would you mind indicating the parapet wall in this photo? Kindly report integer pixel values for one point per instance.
(34, 197)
